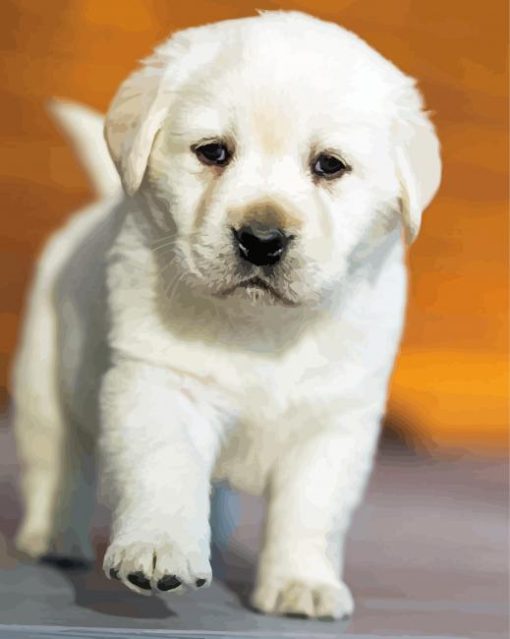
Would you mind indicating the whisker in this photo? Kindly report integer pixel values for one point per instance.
(169, 244)
(166, 266)
(172, 289)
(162, 237)
(165, 236)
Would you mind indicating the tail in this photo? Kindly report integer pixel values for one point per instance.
(84, 127)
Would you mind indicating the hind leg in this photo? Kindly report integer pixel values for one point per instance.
(56, 453)
(74, 500)
(58, 488)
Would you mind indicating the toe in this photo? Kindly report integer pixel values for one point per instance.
(296, 600)
(333, 602)
(168, 582)
(140, 580)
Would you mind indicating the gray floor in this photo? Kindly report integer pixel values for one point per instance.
(427, 557)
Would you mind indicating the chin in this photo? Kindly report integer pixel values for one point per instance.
(262, 297)
(257, 292)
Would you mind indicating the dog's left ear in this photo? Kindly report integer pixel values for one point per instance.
(418, 163)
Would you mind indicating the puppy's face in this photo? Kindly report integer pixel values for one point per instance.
(275, 163)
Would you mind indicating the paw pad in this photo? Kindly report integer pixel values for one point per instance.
(140, 580)
(169, 582)
(146, 568)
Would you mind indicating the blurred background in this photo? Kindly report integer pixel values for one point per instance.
(450, 386)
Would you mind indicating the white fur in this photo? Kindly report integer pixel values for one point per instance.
(129, 339)
(84, 126)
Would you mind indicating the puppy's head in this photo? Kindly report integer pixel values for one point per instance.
(275, 147)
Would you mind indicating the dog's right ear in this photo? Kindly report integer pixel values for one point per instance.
(143, 101)
(135, 116)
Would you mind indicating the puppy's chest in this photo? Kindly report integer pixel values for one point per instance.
(262, 369)
(260, 378)
(263, 376)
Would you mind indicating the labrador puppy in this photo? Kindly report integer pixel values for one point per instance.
(233, 313)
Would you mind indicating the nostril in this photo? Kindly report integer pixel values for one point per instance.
(260, 245)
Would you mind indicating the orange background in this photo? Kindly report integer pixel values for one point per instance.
(450, 386)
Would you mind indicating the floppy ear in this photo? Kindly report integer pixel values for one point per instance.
(418, 166)
(133, 119)
(140, 107)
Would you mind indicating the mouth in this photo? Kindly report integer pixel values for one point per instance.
(254, 287)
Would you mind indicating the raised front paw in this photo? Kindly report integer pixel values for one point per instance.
(146, 567)
(297, 598)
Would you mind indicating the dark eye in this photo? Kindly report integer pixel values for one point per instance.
(213, 153)
(329, 166)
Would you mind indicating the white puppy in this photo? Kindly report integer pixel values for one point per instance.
(235, 314)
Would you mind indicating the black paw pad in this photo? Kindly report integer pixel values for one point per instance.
(114, 574)
(140, 580)
(200, 582)
(297, 615)
(168, 582)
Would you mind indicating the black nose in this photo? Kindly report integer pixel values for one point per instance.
(260, 245)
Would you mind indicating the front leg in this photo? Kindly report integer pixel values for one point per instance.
(313, 490)
(158, 446)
